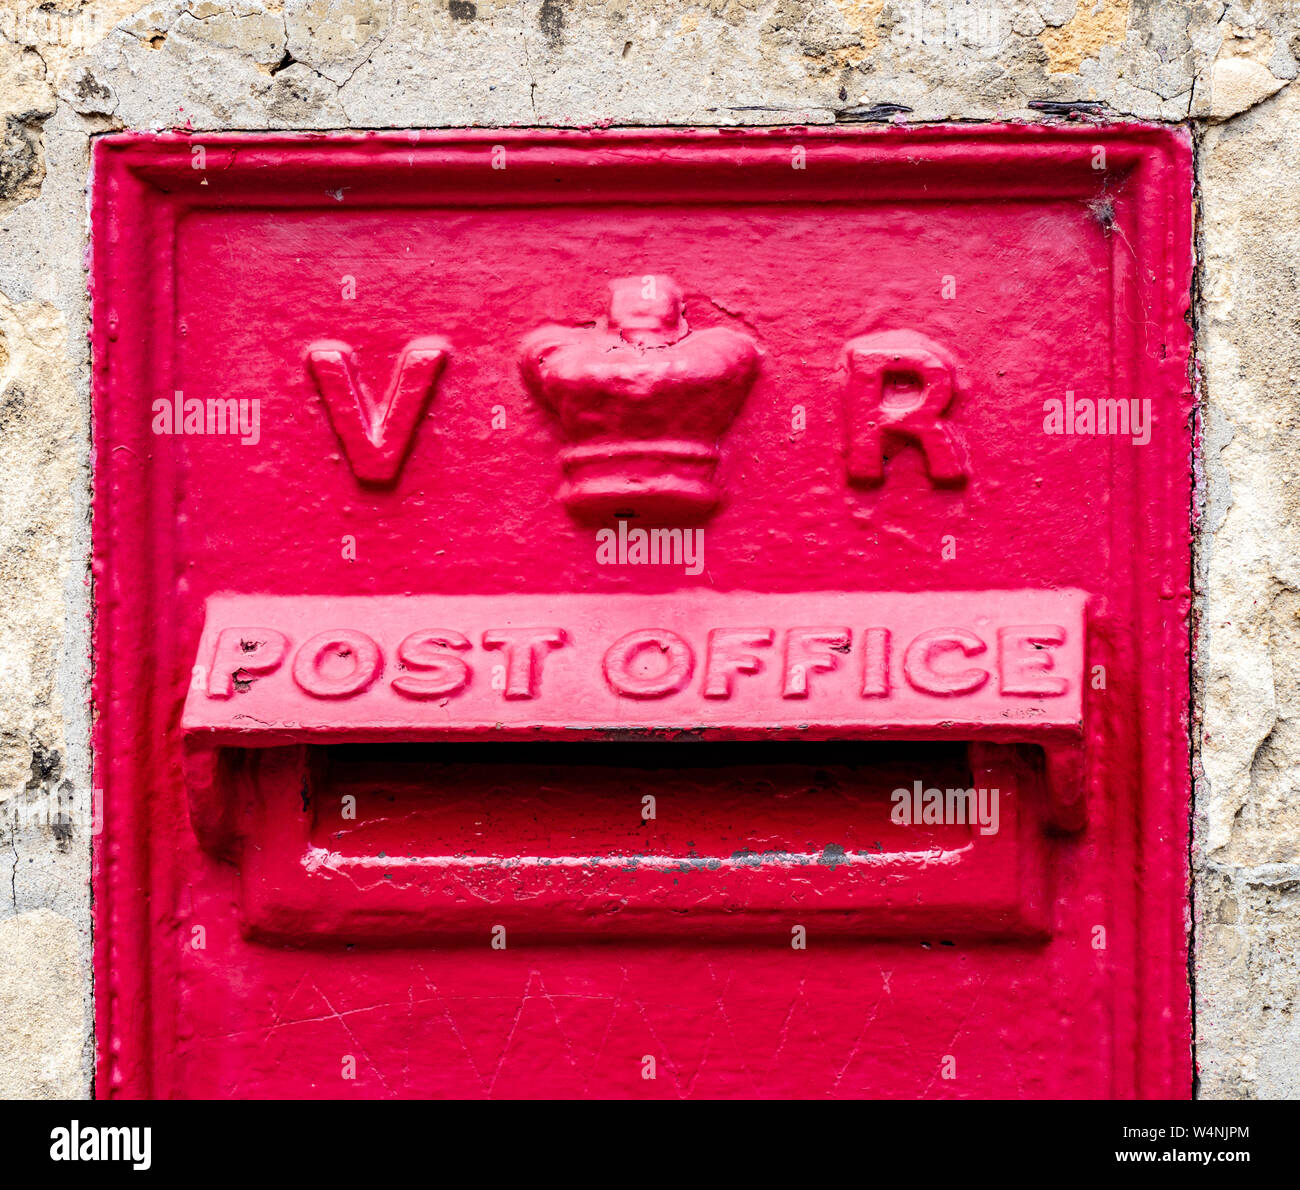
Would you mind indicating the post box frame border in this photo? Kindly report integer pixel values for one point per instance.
(142, 185)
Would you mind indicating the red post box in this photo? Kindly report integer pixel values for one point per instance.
(658, 614)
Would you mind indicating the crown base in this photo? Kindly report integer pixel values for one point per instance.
(662, 483)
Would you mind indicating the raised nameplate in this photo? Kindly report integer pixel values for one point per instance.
(1003, 665)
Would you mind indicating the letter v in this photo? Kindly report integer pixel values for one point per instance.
(377, 436)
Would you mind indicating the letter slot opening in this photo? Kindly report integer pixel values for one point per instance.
(390, 844)
(663, 804)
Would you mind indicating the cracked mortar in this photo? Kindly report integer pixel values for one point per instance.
(329, 64)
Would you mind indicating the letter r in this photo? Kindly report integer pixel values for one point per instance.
(900, 385)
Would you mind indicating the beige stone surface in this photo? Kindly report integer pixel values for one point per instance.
(1248, 803)
(88, 66)
(1091, 27)
(42, 1034)
(42, 439)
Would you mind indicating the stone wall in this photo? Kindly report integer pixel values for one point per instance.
(69, 71)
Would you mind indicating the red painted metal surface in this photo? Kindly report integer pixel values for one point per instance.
(643, 613)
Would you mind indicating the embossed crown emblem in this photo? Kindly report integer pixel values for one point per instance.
(643, 402)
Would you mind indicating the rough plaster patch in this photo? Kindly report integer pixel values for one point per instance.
(61, 33)
(40, 1006)
(1249, 65)
(28, 100)
(1056, 12)
(1093, 25)
(860, 16)
(334, 37)
(243, 27)
(41, 435)
(24, 79)
(22, 163)
(1248, 1018)
(1238, 83)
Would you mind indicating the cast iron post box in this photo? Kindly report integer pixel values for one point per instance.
(662, 613)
